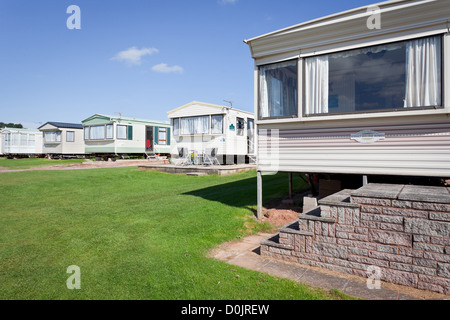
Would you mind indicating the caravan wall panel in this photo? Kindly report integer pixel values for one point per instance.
(403, 149)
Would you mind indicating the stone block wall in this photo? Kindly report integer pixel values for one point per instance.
(403, 230)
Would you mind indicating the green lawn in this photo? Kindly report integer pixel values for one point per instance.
(27, 163)
(134, 235)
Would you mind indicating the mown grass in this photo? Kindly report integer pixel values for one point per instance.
(28, 163)
(134, 235)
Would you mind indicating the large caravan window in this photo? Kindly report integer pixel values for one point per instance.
(100, 132)
(121, 132)
(278, 90)
(97, 133)
(52, 136)
(195, 125)
(217, 124)
(393, 76)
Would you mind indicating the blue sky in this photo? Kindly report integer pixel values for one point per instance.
(141, 58)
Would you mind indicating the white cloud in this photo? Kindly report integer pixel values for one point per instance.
(164, 68)
(133, 56)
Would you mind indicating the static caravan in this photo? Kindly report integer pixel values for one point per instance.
(112, 136)
(62, 140)
(365, 91)
(21, 142)
(198, 126)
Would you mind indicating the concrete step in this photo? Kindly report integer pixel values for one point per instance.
(274, 241)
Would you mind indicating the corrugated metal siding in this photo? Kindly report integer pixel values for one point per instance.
(406, 150)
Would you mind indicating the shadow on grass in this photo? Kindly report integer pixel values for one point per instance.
(242, 193)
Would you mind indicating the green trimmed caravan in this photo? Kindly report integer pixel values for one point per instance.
(116, 136)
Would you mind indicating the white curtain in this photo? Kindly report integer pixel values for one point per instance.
(264, 94)
(217, 124)
(423, 72)
(109, 131)
(195, 125)
(316, 84)
(278, 89)
(176, 127)
(121, 132)
(52, 136)
(97, 133)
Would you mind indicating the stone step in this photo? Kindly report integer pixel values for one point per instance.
(315, 215)
(294, 228)
(274, 241)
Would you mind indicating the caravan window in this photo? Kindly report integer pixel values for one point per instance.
(217, 124)
(23, 139)
(278, 90)
(52, 136)
(195, 125)
(109, 131)
(15, 139)
(240, 126)
(100, 132)
(97, 133)
(393, 76)
(31, 140)
(7, 138)
(70, 136)
(121, 132)
(176, 126)
(162, 136)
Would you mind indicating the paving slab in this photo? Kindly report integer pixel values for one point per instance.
(425, 194)
(378, 190)
(317, 279)
(361, 290)
(245, 254)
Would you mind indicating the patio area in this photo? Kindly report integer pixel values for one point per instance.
(221, 170)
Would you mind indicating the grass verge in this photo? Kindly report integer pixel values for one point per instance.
(134, 235)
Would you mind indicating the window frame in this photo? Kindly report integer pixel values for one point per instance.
(350, 116)
(176, 130)
(56, 136)
(382, 112)
(211, 124)
(195, 134)
(126, 132)
(87, 131)
(161, 141)
(300, 77)
(67, 136)
(240, 131)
